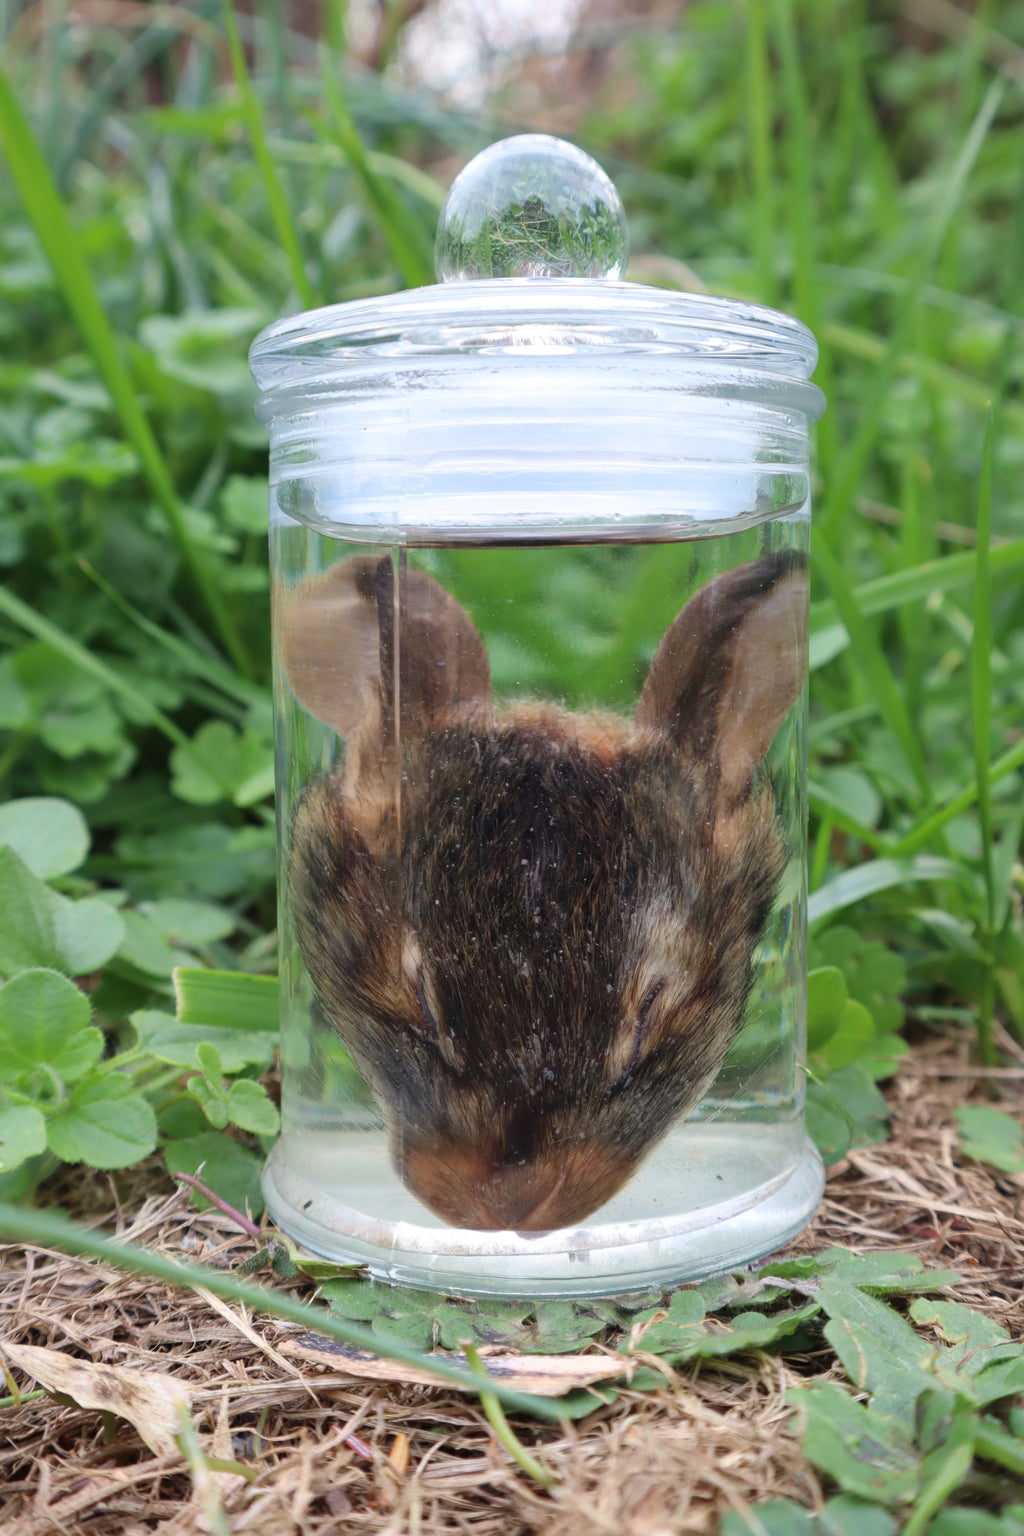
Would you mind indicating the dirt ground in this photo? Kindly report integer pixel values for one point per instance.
(331, 1454)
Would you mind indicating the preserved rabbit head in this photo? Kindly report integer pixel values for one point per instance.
(533, 928)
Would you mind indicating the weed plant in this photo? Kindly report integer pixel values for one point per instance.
(167, 192)
(168, 189)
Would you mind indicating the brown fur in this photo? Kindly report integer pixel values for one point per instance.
(533, 929)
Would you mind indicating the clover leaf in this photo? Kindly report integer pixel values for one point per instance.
(44, 1022)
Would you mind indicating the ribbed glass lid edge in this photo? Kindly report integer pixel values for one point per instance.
(540, 315)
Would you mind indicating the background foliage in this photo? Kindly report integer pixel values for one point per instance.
(175, 180)
(173, 185)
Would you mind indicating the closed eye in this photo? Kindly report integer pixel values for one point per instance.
(650, 998)
(429, 1016)
(433, 1031)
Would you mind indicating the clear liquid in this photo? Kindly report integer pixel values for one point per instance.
(575, 627)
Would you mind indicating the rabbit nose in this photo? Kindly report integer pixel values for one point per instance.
(557, 1189)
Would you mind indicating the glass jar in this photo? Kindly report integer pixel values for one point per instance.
(539, 572)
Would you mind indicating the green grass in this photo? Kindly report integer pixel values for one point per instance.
(875, 189)
(871, 185)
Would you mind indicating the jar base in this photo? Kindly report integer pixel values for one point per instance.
(588, 1261)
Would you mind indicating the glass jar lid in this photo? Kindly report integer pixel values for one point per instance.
(532, 384)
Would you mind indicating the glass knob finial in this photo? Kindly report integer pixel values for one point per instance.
(531, 206)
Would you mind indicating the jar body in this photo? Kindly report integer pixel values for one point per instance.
(539, 572)
(570, 632)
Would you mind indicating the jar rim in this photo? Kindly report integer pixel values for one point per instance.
(532, 317)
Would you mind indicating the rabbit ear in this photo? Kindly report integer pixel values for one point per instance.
(730, 666)
(338, 640)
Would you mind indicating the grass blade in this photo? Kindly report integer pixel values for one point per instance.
(27, 618)
(43, 1229)
(759, 136)
(277, 202)
(854, 885)
(925, 830)
(406, 238)
(850, 470)
(981, 670)
(981, 723)
(887, 592)
(870, 659)
(62, 248)
(804, 220)
(503, 1430)
(831, 810)
(228, 999)
(190, 659)
(948, 380)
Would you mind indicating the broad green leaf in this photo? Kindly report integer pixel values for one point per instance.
(234, 758)
(360, 1300)
(884, 1056)
(942, 1473)
(44, 1020)
(211, 1100)
(411, 1328)
(250, 1108)
(757, 1330)
(88, 933)
(973, 1339)
(980, 1360)
(488, 1322)
(971, 1521)
(22, 1135)
(875, 974)
(685, 1333)
(854, 792)
(227, 999)
(27, 932)
(209, 1060)
(204, 348)
(190, 923)
(991, 1136)
(856, 1092)
(168, 1040)
(50, 836)
(842, 1516)
(209, 860)
(869, 1454)
(558, 1328)
(846, 1516)
(228, 1168)
(877, 1348)
(181, 1119)
(883, 1274)
(851, 1040)
(144, 946)
(826, 998)
(774, 1517)
(39, 927)
(828, 1126)
(105, 1124)
(244, 503)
